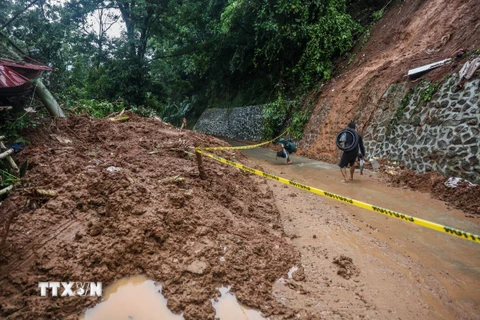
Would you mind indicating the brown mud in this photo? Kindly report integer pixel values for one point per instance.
(464, 196)
(130, 201)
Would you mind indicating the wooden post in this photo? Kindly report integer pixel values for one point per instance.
(200, 165)
(48, 100)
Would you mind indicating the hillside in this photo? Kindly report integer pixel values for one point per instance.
(411, 33)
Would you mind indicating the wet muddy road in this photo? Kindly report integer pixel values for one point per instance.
(407, 271)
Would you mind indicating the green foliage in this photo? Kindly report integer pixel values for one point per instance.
(377, 15)
(282, 113)
(177, 58)
(399, 112)
(299, 120)
(403, 104)
(7, 179)
(98, 109)
(428, 91)
(12, 126)
(275, 116)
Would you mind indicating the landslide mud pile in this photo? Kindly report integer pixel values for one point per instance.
(130, 201)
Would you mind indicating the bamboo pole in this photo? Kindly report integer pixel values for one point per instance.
(6, 154)
(6, 190)
(47, 98)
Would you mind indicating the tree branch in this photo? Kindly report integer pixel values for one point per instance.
(19, 13)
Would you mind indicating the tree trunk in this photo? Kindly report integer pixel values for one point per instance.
(48, 100)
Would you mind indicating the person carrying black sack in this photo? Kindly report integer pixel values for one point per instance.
(351, 143)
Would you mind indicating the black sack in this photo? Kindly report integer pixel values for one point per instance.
(347, 140)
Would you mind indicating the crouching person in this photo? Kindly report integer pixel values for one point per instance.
(288, 147)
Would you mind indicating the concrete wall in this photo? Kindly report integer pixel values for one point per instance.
(442, 135)
(238, 123)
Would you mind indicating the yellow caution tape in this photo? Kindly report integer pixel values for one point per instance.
(245, 147)
(390, 213)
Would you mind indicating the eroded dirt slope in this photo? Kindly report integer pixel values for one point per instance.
(130, 201)
(412, 33)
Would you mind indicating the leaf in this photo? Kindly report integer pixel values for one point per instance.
(23, 169)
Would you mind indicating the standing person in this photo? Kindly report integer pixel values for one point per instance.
(288, 147)
(349, 157)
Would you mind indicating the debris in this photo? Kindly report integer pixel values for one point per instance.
(6, 190)
(45, 193)
(119, 118)
(61, 139)
(453, 182)
(6, 154)
(468, 70)
(130, 221)
(173, 179)
(417, 72)
(184, 124)
(391, 172)
(113, 169)
(163, 122)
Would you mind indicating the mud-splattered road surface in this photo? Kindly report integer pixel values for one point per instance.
(130, 201)
(359, 264)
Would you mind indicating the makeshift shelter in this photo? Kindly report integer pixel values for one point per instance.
(20, 75)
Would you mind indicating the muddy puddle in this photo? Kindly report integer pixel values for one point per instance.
(132, 298)
(138, 298)
(228, 307)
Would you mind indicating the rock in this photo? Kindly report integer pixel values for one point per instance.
(454, 96)
(95, 231)
(299, 274)
(138, 212)
(197, 267)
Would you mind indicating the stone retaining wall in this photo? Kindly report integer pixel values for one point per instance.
(440, 135)
(238, 123)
